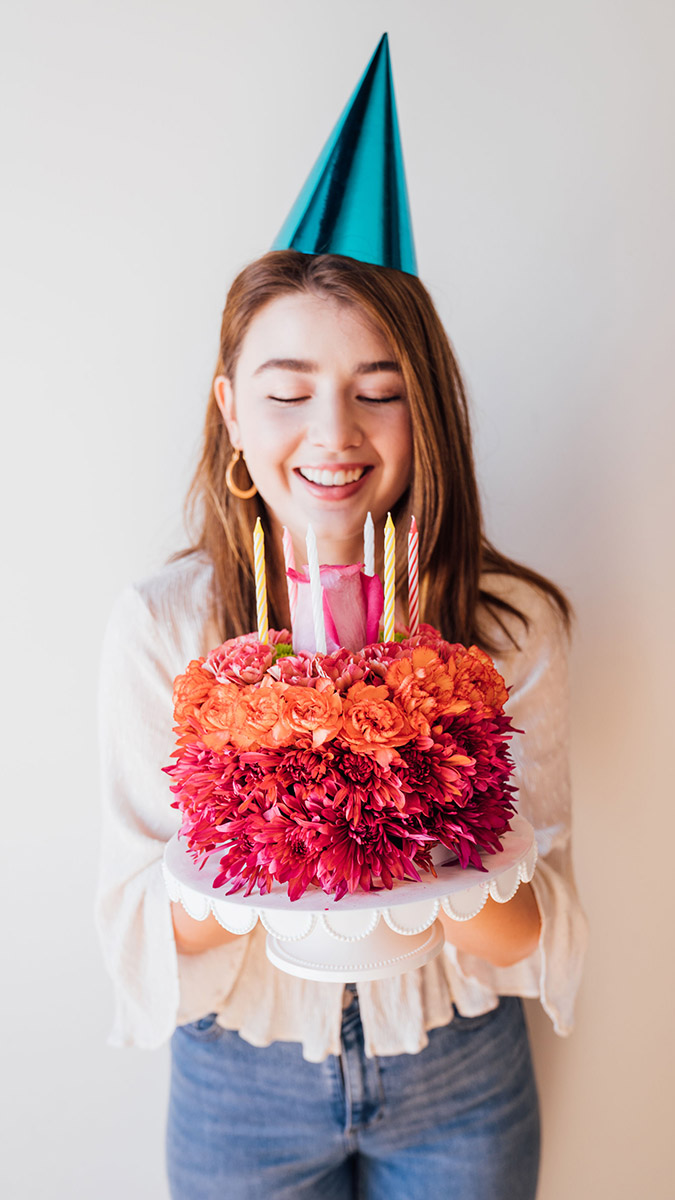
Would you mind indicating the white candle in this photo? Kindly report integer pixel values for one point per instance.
(369, 546)
(317, 591)
(289, 562)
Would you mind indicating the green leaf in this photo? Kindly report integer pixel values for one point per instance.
(282, 650)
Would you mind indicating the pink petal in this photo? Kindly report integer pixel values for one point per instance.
(352, 606)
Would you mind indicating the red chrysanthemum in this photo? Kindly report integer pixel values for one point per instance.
(437, 772)
(287, 845)
(359, 781)
(367, 854)
(202, 783)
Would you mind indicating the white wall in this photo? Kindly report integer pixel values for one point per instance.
(152, 147)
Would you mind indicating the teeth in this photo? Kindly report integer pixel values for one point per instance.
(331, 478)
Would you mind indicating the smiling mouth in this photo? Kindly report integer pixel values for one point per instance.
(328, 479)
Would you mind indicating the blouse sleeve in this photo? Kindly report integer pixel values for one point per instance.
(538, 705)
(155, 988)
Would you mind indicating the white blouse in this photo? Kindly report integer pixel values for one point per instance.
(156, 627)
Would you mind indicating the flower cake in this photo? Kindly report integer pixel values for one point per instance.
(340, 770)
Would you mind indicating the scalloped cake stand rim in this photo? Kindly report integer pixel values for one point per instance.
(517, 843)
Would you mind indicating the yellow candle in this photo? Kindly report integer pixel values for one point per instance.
(389, 578)
(260, 581)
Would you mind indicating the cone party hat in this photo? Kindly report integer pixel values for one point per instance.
(355, 200)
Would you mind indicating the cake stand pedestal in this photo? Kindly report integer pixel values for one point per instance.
(368, 935)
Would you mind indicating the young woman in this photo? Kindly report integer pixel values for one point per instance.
(336, 393)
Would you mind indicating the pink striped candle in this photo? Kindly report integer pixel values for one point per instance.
(389, 578)
(289, 563)
(413, 580)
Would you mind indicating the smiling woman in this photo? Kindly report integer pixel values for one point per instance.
(337, 381)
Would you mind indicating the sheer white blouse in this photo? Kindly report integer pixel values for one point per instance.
(156, 627)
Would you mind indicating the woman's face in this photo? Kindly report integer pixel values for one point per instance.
(318, 407)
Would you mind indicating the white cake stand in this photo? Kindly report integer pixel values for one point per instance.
(368, 935)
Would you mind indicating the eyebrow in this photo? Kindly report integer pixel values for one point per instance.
(311, 368)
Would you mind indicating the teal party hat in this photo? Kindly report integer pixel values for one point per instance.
(355, 200)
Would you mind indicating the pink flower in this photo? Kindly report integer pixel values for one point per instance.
(295, 669)
(343, 667)
(380, 655)
(279, 637)
(240, 660)
(352, 607)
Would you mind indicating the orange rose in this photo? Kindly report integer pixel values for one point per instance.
(190, 690)
(312, 715)
(218, 715)
(258, 717)
(372, 723)
(478, 680)
(424, 687)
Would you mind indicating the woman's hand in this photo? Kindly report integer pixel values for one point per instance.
(194, 936)
(500, 933)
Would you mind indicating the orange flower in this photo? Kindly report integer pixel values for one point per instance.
(478, 680)
(424, 687)
(190, 690)
(258, 719)
(218, 715)
(372, 723)
(312, 715)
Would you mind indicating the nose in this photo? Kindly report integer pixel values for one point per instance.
(335, 423)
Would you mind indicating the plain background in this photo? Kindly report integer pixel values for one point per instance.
(149, 150)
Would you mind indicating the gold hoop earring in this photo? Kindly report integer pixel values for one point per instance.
(229, 479)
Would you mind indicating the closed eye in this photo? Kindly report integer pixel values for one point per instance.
(368, 399)
(378, 399)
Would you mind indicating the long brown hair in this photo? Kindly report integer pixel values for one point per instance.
(454, 552)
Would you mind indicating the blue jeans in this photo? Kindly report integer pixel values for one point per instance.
(459, 1120)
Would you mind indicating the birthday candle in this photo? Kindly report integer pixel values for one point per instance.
(316, 591)
(260, 581)
(289, 561)
(369, 546)
(389, 578)
(413, 580)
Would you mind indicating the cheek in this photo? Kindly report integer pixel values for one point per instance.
(267, 440)
(400, 449)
